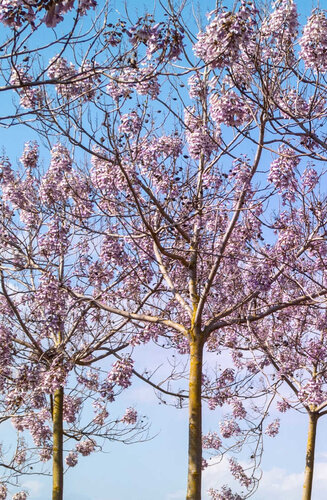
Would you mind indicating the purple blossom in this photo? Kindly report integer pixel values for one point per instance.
(85, 447)
(282, 172)
(71, 459)
(121, 372)
(130, 124)
(227, 33)
(21, 495)
(3, 491)
(273, 428)
(130, 416)
(313, 42)
(211, 440)
(224, 494)
(230, 109)
(229, 428)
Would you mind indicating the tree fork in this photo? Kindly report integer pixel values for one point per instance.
(195, 421)
(310, 456)
(58, 467)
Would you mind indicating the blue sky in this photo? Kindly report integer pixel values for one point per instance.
(157, 469)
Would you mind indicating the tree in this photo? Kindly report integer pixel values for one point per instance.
(179, 210)
(52, 344)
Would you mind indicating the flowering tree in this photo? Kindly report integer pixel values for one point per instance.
(201, 202)
(289, 350)
(53, 346)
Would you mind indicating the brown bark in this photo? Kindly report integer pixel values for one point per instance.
(195, 422)
(309, 464)
(58, 467)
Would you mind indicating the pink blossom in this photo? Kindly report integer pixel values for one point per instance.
(211, 440)
(229, 428)
(230, 109)
(121, 372)
(85, 447)
(313, 42)
(3, 491)
(130, 416)
(273, 428)
(71, 459)
(21, 495)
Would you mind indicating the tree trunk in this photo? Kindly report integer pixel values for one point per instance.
(195, 422)
(309, 464)
(58, 467)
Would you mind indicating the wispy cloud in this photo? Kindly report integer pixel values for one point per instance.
(275, 483)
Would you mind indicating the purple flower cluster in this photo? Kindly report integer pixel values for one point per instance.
(238, 473)
(228, 32)
(130, 124)
(15, 13)
(30, 96)
(130, 416)
(313, 42)
(200, 141)
(273, 428)
(85, 447)
(81, 84)
(121, 372)
(160, 37)
(71, 459)
(282, 173)
(211, 441)
(30, 155)
(230, 109)
(224, 494)
(229, 428)
(280, 29)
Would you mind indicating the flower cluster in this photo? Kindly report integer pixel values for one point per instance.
(16, 13)
(224, 494)
(282, 173)
(3, 491)
(21, 495)
(230, 109)
(54, 183)
(211, 440)
(310, 178)
(238, 473)
(85, 447)
(30, 95)
(130, 124)
(71, 459)
(197, 87)
(130, 416)
(147, 82)
(280, 29)
(312, 393)
(30, 155)
(228, 32)
(81, 84)
(55, 241)
(229, 428)
(314, 42)
(273, 428)
(201, 141)
(158, 37)
(121, 372)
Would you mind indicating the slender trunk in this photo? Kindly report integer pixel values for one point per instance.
(58, 467)
(195, 422)
(310, 456)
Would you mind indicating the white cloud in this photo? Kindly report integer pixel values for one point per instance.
(275, 483)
